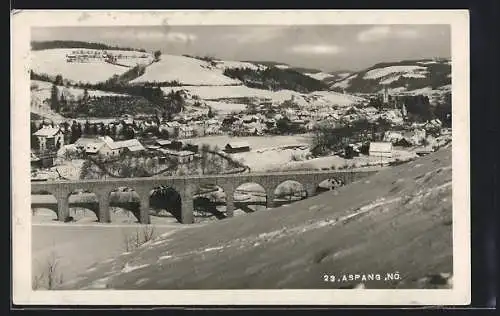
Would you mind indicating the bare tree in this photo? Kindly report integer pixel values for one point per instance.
(139, 237)
(50, 277)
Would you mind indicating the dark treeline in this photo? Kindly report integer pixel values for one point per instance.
(420, 109)
(145, 98)
(41, 45)
(276, 79)
(336, 138)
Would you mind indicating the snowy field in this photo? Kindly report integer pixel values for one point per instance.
(319, 75)
(185, 70)
(343, 84)
(255, 142)
(53, 62)
(41, 91)
(225, 64)
(269, 153)
(90, 243)
(223, 108)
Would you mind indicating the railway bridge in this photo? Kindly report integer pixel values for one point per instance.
(186, 187)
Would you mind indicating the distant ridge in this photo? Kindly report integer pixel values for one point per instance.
(41, 45)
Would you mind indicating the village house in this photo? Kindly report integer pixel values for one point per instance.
(380, 149)
(186, 131)
(199, 128)
(106, 147)
(49, 138)
(169, 127)
(237, 147)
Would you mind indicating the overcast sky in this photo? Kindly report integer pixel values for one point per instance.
(325, 47)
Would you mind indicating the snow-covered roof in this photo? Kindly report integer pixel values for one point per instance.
(93, 148)
(47, 131)
(130, 144)
(380, 147)
(238, 144)
(163, 142)
(84, 141)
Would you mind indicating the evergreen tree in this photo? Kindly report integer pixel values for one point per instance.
(34, 139)
(157, 55)
(75, 133)
(59, 80)
(86, 96)
(54, 98)
(86, 128)
(210, 113)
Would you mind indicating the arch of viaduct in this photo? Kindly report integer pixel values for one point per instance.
(186, 187)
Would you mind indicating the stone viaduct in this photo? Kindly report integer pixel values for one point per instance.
(186, 186)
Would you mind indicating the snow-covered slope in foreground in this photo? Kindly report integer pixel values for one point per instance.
(398, 220)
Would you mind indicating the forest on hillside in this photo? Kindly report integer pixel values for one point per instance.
(41, 45)
(273, 78)
(438, 76)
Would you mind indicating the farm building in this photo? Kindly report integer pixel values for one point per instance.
(380, 149)
(107, 147)
(49, 138)
(236, 147)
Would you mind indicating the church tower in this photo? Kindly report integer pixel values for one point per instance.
(385, 99)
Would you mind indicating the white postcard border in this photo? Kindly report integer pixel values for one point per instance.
(21, 216)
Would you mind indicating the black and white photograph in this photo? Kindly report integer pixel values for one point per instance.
(241, 157)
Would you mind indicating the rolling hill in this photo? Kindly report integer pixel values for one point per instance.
(217, 82)
(186, 70)
(399, 76)
(52, 62)
(398, 220)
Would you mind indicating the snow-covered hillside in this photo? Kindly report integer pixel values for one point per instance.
(399, 219)
(186, 70)
(319, 75)
(42, 89)
(398, 76)
(328, 77)
(384, 72)
(219, 96)
(91, 68)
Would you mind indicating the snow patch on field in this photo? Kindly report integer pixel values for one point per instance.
(213, 249)
(319, 75)
(130, 268)
(225, 64)
(282, 66)
(165, 257)
(226, 107)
